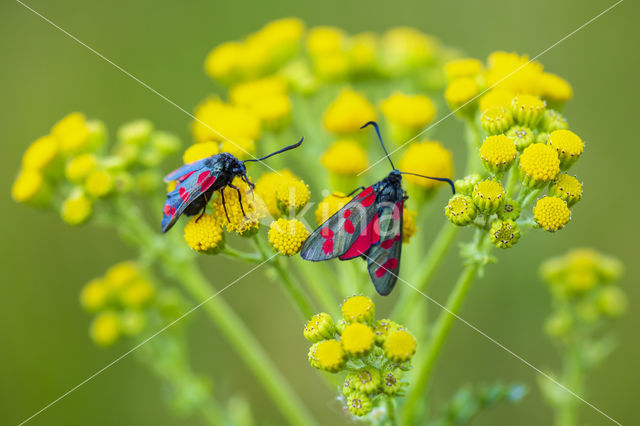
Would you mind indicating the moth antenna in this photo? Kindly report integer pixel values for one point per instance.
(449, 181)
(374, 124)
(286, 148)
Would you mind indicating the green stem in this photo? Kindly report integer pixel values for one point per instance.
(436, 342)
(513, 178)
(240, 255)
(391, 412)
(566, 413)
(474, 140)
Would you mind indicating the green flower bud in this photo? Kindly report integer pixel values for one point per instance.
(496, 120)
(558, 325)
(504, 233)
(135, 133)
(488, 195)
(366, 380)
(132, 322)
(346, 386)
(522, 136)
(391, 384)
(460, 210)
(359, 404)
(509, 210)
(542, 137)
(466, 184)
(527, 109)
(612, 302)
(165, 143)
(588, 312)
(567, 187)
(382, 329)
(552, 120)
(319, 327)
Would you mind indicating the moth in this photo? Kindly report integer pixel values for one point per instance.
(368, 226)
(197, 181)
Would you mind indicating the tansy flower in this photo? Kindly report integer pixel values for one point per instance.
(357, 338)
(348, 112)
(218, 121)
(137, 293)
(345, 157)
(362, 52)
(555, 88)
(105, 328)
(205, 234)
(365, 380)
(223, 61)
(122, 274)
(319, 327)
(521, 136)
(408, 224)
(274, 111)
(467, 183)
(358, 309)
(552, 120)
(245, 224)
(568, 145)
(464, 67)
(239, 147)
(391, 384)
(460, 210)
(527, 109)
(330, 205)
(400, 346)
(539, 164)
(40, 154)
(72, 132)
(496, 120)
(79, 167)
(504, 233)
(266, 186)
(513, 72)
(551, 213)
(332, 66)
(488, 196)
(382, 329)
(461, 92)
(292, 194)
(29, 187)
(245, 93)
(99, 183)
(94, 295)
(567, 187)
(132, 322)
(509, 210)
(496, 98)
(428, 159)
(404, 49)
(359, 404)
(136, 132)
(408, 111)
(325, 40)
(612, 302)
(327, 355)
(287, 236)
(76, 209)
(199, 151)
(498, 153)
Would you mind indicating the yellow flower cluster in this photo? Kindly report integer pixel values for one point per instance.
(204, 234)
(382, 350)
(118, 299)
(348, 112)
(345, 157)
(428, 158)
(407, 114)
(287, 236)
(266, 187)
(240, 212)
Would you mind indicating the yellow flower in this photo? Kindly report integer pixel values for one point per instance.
(72, 132)
(513, 72)
(239, 147)
(332, 66)
(428, 158)
(245, 93)
(137, 293)
(496, 98)
(359, 404)
(266, 190)
(408, 224)
(327, 355)
(78, 168)
(404, 49)
(357, 338)
(464, 67)
(527, 109)
(292, 194)
(245, 224)
(362, 53)
(555, 88)
(325, 40)
(270, 47)
(329, 205)
(105, 328)
(204, 235)
(345, 157)
(461, 92)
(413, 111)
(539, 164)
(567, 187)
(218, 121)
(498, 153)
(460, 210)
(488, 195)
(348, 112)
(274, 111)
(496, 120)
(94, 295)
(76, 209)
(568, 145)
(358, 309)
(551, 213)
(223, 61)
(199, 151)
(29, 186)
(400, 346)
(287, 236)
(40, 153)
(122, 274)
(99, 183)
(319, 327)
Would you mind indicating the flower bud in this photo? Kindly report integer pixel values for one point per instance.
(521, 136)
(552, 120)
(527, 109)
(327, 355)
(504, 233)
(359, 404)
(510, 210)
(467, 183)
(400, 346)
(498, 153)
(567, 187)
(488, 196)
(366, 380)
(319, 327)
(460, 210)
(568, 145)
(496, 120)
(382, 329)
(391, 384)
(358, 309)
(612, 302)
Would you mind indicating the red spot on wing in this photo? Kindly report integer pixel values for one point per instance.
(326, 232)
(366, 192)
(389, 265)
(398, 210)
(365, 240)
(327, 247)
(185, 176)
(346, 213)
(184, 194)
(168, 210)
(204, 176)
(368, 200)
(348, 226)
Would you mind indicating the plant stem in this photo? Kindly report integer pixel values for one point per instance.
(391, 412)
(240, 255)
(566, 413)
(436, 342)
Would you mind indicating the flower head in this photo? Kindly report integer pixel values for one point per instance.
(99, 183)
(266, 187)
(496, 98)
(466, 184)
(319, 327)
(345, 157)
(509, 210)
(94, 295)
(359, 404)
(348, 112)
(327, 355)
(552, 120)
(222, 63)
(201, 150)
(521, 136)
(40, 154)
(403, 49)
(245, 93)
(204, 234)
(122, 274)
(137, 293)
(567, 187)
(527, 109)
(411, 111)
(551, 213)
(362, 52)
(496, 120)
(400, 346)
(382, 329)
(79, 167)
(568, 145)
(391, 384)
(358, 309)
(365, 380)
(240, 218)
(488, 195)
(77, 208)
(461, 92)
(464, 67)
(287, 236)
(554, 88)
(409, 227)
(29, 187)
(325, 40)
(72, 132)
(498, 153)
(329, 206)
(219, 122)
(429, 159)
(136, 132)
(612, 302)
(513, 72)
(504, 233)
(539, 164)
(460, 210)
(292, 194)
(106, 328)
(357, 338)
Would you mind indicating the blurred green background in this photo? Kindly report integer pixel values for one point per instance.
(44, 345)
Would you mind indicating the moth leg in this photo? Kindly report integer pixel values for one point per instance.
(239, 198)
(204, 208)
(251, 185)
(224, 205)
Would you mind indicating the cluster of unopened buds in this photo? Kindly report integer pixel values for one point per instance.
(374, 354)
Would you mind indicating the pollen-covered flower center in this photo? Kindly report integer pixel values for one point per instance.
(540, 162)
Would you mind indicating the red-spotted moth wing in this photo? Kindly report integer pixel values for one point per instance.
(383, 259)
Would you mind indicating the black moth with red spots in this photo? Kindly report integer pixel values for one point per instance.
(197, 181)
(368, 226)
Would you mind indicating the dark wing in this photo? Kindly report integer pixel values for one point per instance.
(348, 233)
(182, 173)
(383, 259)
(190, 186)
